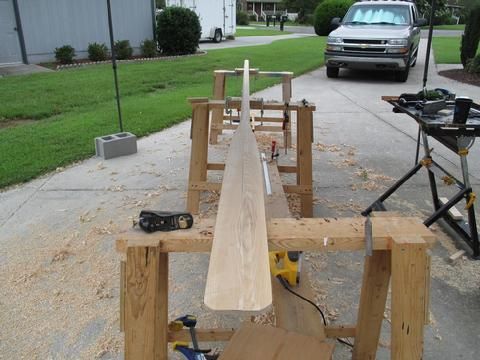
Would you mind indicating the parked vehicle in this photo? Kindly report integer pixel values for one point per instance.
(217, 17)
(375, 35)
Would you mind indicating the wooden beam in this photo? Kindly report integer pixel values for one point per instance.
(408, 297)
(254, 104)
(146, 304)
(217, 114)
(202, 335)
(373, 296)
(298, 189)
(318, 234)
(287, 169)
(238, 276)
(123, 286)
(198, 156)
(204, 186)
(304, 159)
(340, 331)
(215, 166)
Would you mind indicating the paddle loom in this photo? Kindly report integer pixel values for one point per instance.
(250, 223)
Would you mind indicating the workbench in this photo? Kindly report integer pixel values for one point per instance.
(457, 138)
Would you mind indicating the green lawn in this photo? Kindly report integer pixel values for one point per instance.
(447, 50)
(447, 27)
(71, 107)
(259, 32)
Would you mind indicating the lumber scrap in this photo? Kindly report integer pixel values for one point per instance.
(254, 341)
(238, 276)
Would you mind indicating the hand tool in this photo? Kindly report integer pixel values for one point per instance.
(153, 220)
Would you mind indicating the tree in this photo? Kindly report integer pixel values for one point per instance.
(302, 7)
(424, 7)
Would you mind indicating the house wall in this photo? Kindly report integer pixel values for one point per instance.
(48, 24)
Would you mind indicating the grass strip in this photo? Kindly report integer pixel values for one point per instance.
(72, 107)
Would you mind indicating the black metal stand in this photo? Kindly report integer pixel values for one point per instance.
(458, 143)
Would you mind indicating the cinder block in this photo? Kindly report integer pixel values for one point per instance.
(114, 145)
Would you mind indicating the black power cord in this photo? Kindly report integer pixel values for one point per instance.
(287, 287)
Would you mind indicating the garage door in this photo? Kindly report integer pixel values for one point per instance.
(9, 44)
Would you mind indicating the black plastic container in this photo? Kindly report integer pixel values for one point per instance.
(462, 109)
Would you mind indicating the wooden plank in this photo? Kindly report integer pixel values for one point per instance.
(287, 97)
(456, 256)
(340, 331)
(238, 276)
(373, 296)
(266, 119)
(215, 166)
(304, 158)
(318, 234)
(408, 297)
(297, 189)
(254, 104)
(428, 266)
(204, 186)
(291, 313)
(453, 211)
(123, 286)
(202, 335)
(199, 155)
(254, 341)
(217, 114)
(146, 304)
(287, 169)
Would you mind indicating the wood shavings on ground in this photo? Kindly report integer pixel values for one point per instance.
(267, 318)
(327, 148)
(86, 217)
(116, 188)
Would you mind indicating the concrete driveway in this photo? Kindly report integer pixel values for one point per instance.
(248, 41)
(59, 273)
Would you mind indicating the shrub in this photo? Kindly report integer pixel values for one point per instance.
(97, 52)
(178, 31)
(242, 18)
(471, 36)
(326, 11)
(123, 50)
(148, 48)
(473, 65)
(65, 54)
(253, 18)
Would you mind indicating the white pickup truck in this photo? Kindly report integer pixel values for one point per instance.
(375, 35)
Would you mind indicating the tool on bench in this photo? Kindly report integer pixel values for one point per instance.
(189, 321)
(152, 220)
(275, 153)
(286, 264)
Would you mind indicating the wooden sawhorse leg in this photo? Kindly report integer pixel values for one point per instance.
(304, 159)
(407, 263)
(199, 155)
(146, 304)
(287, 97)
(217, 114)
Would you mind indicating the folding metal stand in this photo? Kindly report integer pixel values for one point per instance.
(457, 138)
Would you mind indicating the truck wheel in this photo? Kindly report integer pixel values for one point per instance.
(332, 72)
(402, 76)
(218, 36)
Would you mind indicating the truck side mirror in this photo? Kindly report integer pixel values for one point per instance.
(335, 23)
(420, 22)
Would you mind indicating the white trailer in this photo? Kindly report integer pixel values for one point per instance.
(217, 17)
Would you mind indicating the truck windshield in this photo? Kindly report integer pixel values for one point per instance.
(377, 14)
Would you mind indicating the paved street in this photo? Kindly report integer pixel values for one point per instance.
(59, 272)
